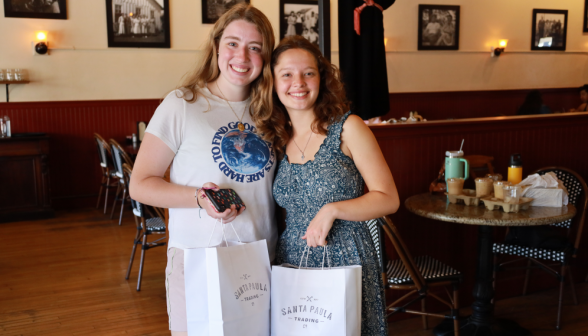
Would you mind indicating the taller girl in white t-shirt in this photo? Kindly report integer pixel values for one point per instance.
(206, 131)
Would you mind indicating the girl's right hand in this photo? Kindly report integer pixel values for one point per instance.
(227, 216)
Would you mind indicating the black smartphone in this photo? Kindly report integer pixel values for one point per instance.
(222, 199)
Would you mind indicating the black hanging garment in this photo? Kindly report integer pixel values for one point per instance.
(362, 58)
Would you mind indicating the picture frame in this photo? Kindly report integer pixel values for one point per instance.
(213, 9)
(585, 27)
(438, 27)
(138, 23)
(36, 9)
(549, 29)
(307, 18)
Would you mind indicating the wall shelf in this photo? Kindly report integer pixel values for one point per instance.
(12, 82)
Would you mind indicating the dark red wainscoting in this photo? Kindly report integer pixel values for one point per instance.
(74, 168)
(475, 104)
(74, 165)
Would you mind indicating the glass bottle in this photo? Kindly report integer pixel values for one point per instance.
(17, 75)
(2, 128)
(7, 125)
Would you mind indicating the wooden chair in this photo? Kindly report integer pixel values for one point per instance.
(577, 193)
(417, 276)
(108, 171)
(480, 165)
(149, 220)
(119, 157)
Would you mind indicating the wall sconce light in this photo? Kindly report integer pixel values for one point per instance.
(497, 51)
(40, 46)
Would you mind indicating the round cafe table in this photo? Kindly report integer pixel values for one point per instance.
(482, 321)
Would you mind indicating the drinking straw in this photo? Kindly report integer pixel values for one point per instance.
(460, 147)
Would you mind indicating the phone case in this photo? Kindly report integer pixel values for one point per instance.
(223, 199)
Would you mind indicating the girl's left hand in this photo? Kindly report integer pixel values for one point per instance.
(319, 227)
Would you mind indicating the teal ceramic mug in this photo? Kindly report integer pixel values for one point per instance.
(456, 165)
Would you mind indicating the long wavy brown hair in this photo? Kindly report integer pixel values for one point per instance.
(207, 70)
(331, 103)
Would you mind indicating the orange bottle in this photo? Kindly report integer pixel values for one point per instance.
(515, 169)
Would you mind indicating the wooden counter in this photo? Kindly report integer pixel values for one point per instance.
(24, 178)
(416, 151)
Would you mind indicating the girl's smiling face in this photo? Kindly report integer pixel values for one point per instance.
(297, 80)
(239, 59)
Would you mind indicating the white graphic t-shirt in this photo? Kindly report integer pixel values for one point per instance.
(210, 147)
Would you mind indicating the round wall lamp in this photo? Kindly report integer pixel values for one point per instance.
(501, 47)
(40, 46)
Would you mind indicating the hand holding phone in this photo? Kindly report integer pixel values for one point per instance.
(222, 199)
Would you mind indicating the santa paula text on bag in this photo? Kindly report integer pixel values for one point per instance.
(228, 289)
(316, 301)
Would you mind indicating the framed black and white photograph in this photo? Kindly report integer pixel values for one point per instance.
(585, 27)
(138, 23)
(213, 9)
(438, 27)
(36, 9)
(550, 28)
(300, 17)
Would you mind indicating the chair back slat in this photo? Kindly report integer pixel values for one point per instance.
(137, 206)
(403, 253)
(375, 233)
(119, 156)
(577, 195)
(103, 150)
(117, 160)
(375, 228)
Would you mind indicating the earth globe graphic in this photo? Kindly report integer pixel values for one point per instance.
(244, 152)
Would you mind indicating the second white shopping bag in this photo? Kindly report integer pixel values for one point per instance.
(228, 289)
(316, 301)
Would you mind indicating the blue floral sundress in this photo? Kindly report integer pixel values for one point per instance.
(303, 189)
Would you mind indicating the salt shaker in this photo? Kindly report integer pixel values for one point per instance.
(7, 125)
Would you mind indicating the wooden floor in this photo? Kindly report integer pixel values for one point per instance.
(65, 276)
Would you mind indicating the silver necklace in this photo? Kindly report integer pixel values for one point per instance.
(307, 141)
(240, 124)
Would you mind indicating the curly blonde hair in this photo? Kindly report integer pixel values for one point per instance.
(207, 70)
(331, 103)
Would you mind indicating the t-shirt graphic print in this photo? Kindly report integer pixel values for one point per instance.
(242, 155)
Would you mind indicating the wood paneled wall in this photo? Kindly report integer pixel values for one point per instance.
(73, 158)
(74, 163)
(475, 104)
(415, 153)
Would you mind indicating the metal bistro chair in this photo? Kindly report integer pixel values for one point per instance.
(417, 276)
(108, 171)
(558, 257)
(119, 157)
(149, 220)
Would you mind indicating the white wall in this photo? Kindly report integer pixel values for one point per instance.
(483, 23)
(81, 66)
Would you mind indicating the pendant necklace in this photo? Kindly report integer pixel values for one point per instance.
(240, 126)
(307, 141)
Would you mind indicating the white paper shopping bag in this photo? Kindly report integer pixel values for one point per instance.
(228, 289)
(316, 301)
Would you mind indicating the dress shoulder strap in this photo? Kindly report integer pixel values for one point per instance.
(334, 132)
